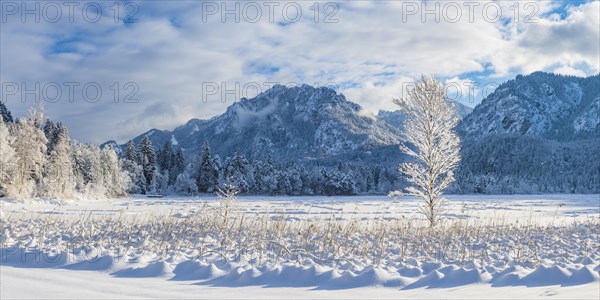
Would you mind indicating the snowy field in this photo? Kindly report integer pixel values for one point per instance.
(527, 246)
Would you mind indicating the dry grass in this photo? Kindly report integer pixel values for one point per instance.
(226, 233)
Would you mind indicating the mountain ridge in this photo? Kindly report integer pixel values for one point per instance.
(552, 106)
(301, 122)
(304, 122)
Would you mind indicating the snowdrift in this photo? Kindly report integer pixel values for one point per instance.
(427, 274)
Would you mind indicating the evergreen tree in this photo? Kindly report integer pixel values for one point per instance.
(268, 177)
(237, 172)
(131, 152)
(294, 176)
(165, 157)
(177, 166)
(306, 184)
(137, 181)
(383, 182)
(330, 180)
(51, 131)
(364, 179)
(375, 174)
(5, 113)
(58, 172)
(339, 181)
(30, 146)
(347, 184)
(135, 172)
(115, 181)
(257, 167)
(90, 169)
(148, 160)
(207, 172)
(8, 164)
(82, 165)
(218, 165)
(317, 180)
(284, 186)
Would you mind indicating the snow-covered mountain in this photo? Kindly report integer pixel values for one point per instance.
(307, 122)
(542, 104)
(536, 133)
(285, 122)
(396, 118)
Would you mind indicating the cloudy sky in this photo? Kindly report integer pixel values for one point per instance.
(114, 71)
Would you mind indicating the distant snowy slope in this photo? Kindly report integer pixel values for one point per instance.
(540, 104)
(396, 118)
(287, 123)
(536, 133)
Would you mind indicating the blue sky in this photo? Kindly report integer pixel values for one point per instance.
(155, 72)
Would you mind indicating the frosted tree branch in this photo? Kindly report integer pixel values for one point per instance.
(431, 141)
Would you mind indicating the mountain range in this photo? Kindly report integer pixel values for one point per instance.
(533, 130)
(541, 104)
(304, 122)
(286, 123)
(290, 123)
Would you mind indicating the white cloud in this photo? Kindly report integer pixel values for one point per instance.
(567, 70)
(371, 53)
(550, 41)
(464, 91)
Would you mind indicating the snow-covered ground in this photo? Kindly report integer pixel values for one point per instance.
(535, 208)
(530, 246)
(23, 283)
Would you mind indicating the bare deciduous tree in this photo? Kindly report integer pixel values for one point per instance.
(431, 141)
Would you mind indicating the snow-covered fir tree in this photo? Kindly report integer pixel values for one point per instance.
(58, 180)
(266, 177)
(51, 132)
(237, 172)
(5, 113)
(207, 175)
(218, 164)
(30, 146)
(317, 180)
(177, 166)
(284, 186)
(89, 178)
(295, 178)
(164, 157)
(339, 181)
(135, 172)
(147, 161)
(8, 160)
(131, 152)
(115, 180)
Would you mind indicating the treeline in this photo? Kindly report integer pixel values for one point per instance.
(512, 163)
(163, 171)
(39, 160)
